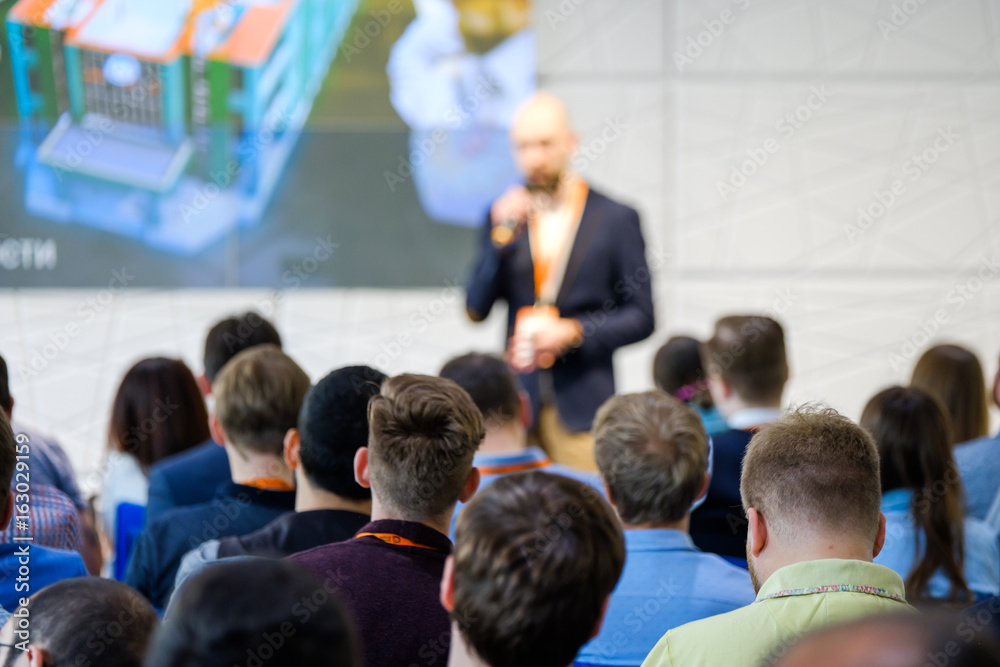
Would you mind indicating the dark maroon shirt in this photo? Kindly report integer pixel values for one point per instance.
(392, 590)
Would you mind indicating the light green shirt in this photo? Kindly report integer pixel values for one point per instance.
(794, 600)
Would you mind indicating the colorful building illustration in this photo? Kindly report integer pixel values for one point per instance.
(169, 121)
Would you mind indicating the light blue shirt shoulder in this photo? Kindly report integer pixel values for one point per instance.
(667, 582)
(978, 464)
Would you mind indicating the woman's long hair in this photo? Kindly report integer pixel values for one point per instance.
(158, 411)
(913, 434)
(954, 376)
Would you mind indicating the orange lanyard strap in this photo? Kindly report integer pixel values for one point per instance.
(513, 467)
(270, 484)
(544, 261)
(398, 540)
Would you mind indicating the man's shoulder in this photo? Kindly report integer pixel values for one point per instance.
(977, 451)
(194, 459)
(709, 641)
(609, 206)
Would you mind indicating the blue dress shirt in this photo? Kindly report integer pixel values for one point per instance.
(667, 582)
(978, 464)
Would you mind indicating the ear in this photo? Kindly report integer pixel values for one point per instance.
(525, 405)
(361, 472)
(471, 485)
(38, 657)
(215, 429)
(204, 384)
(448, 584)
(996, 390)
(607, 493)
(291, 449)
(704, 487)
(756, 532)
(8, 511)
(879, 536)
(600, 619)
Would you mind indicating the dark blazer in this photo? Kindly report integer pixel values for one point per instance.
(719, 525)
(607, 287)
(188, 478)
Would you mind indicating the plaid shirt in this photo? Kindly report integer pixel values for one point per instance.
(53, 520)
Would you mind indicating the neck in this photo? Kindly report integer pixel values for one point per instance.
(556, 200)
(506, 439)
(735, 404)
(382, 512)
(248, 466)
(461, 654)
(684, 525)
(309, 497)
(816, 548)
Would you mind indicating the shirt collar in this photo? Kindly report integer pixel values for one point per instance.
(411, 530)
(529, 455)
(831, 575)
(658, 539)
(282, 500)
(750, 417)
(897, 500)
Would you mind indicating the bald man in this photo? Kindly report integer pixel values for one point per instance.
(571, 265)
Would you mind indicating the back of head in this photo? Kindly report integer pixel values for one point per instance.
(232, 335)
(491, 384)
(93, 621)
(5, 403)
(814, 470)
(158, 411)
(333, 425)
(748, 352)
(652, 451)
(8, 461)
(258, 396)
(954, 376)
(677, 370)
(255, 611)
(913, 436)
(536, 557)
(424, 434)
(894, 640)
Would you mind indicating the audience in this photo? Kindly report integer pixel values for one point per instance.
(747, 371)
(652, 451)
(255, 612)
(536, 557)
(80, 622)
(424, 432)
(193, 477)
(257, 399)
(677, 370)
(51, 467)
(941, 555)
(977, 458)
(53, 520)
(954, 376)
(506, 411)
(894, 640)
(330, 505)
(810, 489)
(158, 411)
(25, 567)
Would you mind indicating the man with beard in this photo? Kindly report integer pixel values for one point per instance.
(812, 494)
(570, 263)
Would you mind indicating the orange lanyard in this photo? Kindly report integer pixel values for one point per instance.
(513, 467)
(270, 484)
(544, 262)
(398, 540)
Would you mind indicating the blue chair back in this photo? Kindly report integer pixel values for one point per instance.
(131, 519)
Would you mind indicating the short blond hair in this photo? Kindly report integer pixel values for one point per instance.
(652, 450)
(813, 466)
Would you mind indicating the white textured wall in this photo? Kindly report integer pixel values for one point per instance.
(664, 127)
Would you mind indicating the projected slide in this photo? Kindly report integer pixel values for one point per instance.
(208, 142)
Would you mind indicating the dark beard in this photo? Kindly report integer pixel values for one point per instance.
(548, 187)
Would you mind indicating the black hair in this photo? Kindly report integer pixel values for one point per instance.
(233, 335)
(490, 382)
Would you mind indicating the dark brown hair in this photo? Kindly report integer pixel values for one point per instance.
(158, 411)
(536, 557)
(8, 459)
(652, 451)
(258, 395)
(748, 352)
(677, 370)
(911, 429)
(423, 434)
(814, 465)
(954, 376)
